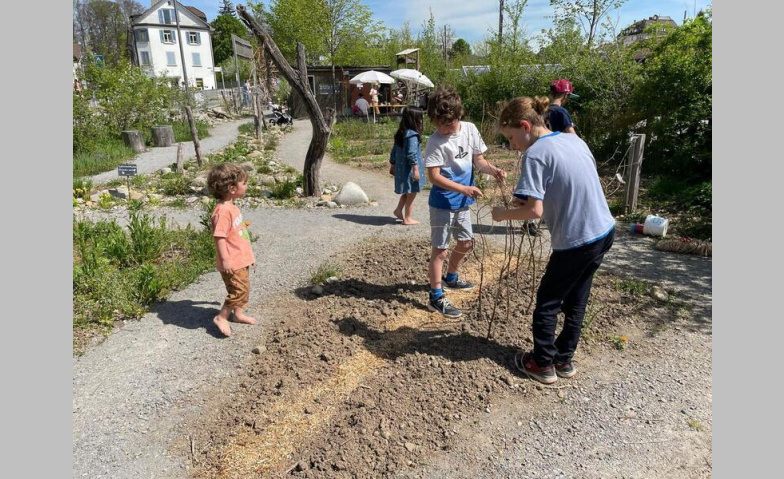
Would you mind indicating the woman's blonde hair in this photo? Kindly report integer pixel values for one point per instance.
(524, 108)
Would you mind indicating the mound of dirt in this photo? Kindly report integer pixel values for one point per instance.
(363, 381)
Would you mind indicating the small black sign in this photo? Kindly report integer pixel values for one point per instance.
(126, 169)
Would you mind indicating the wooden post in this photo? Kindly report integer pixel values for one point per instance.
(633, 179)
(254, 98)
(133, 139)
(194, 134)
(162, 135)
(180, 159)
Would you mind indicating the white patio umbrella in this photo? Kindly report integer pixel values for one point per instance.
(414, 76)
(372, 76)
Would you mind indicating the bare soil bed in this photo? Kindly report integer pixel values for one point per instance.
(363, 381)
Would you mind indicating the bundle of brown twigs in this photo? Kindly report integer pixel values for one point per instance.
(685, 245)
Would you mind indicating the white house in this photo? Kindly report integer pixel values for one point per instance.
(158, 45)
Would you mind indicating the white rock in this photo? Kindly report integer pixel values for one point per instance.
(351, 194)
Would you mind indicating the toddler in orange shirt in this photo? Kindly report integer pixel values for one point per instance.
(228, 181)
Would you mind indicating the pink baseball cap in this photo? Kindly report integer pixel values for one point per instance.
(563, 86)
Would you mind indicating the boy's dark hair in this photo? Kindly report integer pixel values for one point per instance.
(411, 119)
(444, 105)
(222, 177)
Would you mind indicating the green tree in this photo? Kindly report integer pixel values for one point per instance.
(588, 13)
(225, 25)
(293, 21)
(461, 48)
(227, 9)
(675, 100)
(101, 26)
(431, 57)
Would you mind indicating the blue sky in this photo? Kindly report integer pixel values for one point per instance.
(473, 19)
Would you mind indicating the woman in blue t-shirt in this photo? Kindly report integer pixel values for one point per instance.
(406, 163)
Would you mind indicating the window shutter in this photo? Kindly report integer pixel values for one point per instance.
(174, 36)
(198, 38)
(160, 32)
(160, 16)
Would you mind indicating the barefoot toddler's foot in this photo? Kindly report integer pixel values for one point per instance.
(398, 214)
(223, 325)
(409, 222)
(245, 319)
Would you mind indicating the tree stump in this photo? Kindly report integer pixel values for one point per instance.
(162, 135)
(133, 139)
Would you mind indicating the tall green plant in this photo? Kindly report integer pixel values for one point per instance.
(675, 100)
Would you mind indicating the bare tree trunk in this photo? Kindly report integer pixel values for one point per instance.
(130, 46)
(299, 82)
(194, 134)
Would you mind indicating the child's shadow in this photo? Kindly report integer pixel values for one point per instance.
(187, 314)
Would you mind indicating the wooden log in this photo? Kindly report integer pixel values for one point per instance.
(162, 135)
(180, 159)
(133, 139)
(194, 134)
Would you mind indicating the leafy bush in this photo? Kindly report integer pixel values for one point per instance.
(675, 100)
(128, 98)
(88, 128)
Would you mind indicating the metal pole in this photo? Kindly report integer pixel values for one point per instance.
(182, 51)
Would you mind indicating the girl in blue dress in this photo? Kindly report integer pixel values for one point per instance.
(406, 163)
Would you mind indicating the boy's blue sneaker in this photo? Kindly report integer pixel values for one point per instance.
(445, 307)
(458, 284)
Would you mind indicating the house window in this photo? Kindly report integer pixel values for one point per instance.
(142, 35)
(167, 36)
(194, 38)
(166, 16)
(144, 58)
(171, 60)
(200, 83)
(196, 59)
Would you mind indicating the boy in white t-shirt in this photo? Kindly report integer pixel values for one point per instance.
(452, 153)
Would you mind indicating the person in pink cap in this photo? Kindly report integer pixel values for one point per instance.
(557, 117)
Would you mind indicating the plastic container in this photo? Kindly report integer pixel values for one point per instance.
(653, 226)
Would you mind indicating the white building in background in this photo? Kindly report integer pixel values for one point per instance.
(158, 45)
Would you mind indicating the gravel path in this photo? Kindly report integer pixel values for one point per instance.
(154, 159)
(131, 391)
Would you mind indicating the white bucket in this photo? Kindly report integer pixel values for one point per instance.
(655, 226)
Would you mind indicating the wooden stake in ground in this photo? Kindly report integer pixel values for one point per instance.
(180, 159)
(322, 127)
(633, 181)
(194, 134)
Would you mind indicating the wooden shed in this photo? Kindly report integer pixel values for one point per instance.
(345, 94)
